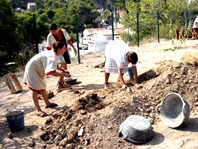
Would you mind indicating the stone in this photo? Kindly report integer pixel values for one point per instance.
(80, 133)
(10, 135)
(69, 146)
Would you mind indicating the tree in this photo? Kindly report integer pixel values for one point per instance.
(39, 4)
(55, 4)
(172, 15)
(9, 39)
(84, 9)
(101, 3)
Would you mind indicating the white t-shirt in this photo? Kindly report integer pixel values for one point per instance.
(51, 39)
(194, 25)
(116, 50)
(38, 66)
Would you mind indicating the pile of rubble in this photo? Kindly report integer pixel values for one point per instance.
(95, 119)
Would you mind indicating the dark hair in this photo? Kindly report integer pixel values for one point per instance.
(53, 26)
(132, 57)
(57, 44)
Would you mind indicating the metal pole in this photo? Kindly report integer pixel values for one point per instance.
(36, 40)
(76, 26)
(158, 35)
(138, 38)
(112, 26)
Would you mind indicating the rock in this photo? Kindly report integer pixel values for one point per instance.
(181, 143)
(87, 142)
(62, 143)
(96, 66)
(79, 147)
(10, 135)
(63, 135)
(44, 136)
(97, 143)
(69, 146)
(101, 65)
(83, 112)
(196, 103)
(128, 90)
(80, 133)
(31, 144)
(109, 127)
(44, 146)
(49, 121)
(57, 140)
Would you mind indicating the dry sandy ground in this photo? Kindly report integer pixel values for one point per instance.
(150, 55)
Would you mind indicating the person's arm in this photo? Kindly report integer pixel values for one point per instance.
(62, 74)
(69, 40)
(49, 42)
(121, 77)
(60, 68)
(63, 68)
(134, 69)
(71, 44)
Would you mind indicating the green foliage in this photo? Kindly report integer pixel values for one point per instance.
(65, 16)
(26, 27)
(39, 4)
(168, 31)
(83, 9)
(73, 36)
(9, 39)
(131, 38)
(52, 4)
(118, 4)
(105, 15)
(101, 4)
(171, 16)
(22, 59)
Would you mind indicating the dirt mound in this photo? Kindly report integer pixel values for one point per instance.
(63, 127)
(95, 119)
(190, 57)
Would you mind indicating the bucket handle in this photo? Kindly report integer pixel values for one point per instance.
(157, 108)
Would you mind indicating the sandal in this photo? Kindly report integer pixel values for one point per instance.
(52, 105)
(41, 114)
(61, 86)
(107, 85)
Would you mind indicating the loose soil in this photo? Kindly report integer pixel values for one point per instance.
(89, 116)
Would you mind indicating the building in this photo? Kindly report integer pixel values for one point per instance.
(31, 6)
(21, 5)
(96, 39)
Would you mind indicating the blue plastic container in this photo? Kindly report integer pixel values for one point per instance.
(15, 120)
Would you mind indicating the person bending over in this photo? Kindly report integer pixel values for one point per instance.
(117, 57)
(43, 63)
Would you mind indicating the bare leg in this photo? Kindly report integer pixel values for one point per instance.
(119, 77)
(35, 99)
(64, 67)
(47, 102)
(44, 94)
(107, 77)
(61, 79)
